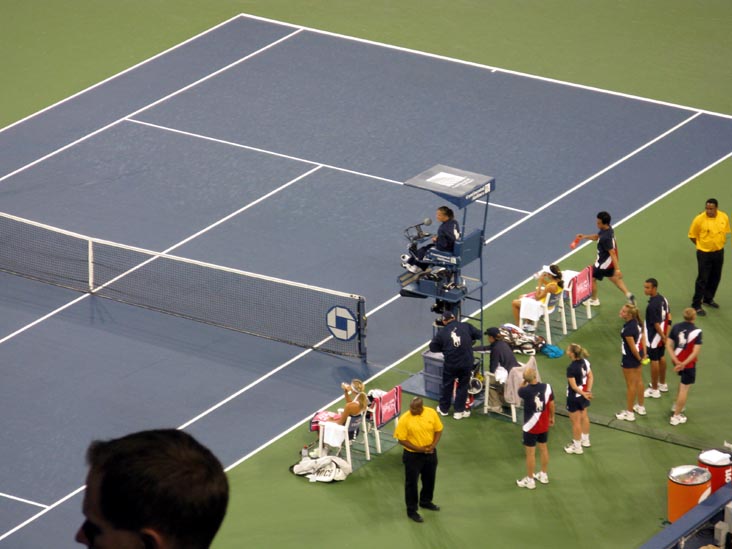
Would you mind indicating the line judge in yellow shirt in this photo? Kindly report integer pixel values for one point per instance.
(708, 232)
(418, 431)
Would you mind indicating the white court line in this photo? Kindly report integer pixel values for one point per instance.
(504, 207)
(40, 514)
(592, 177)
(158, 101)
(492, 68)
(257, 149)
(286, 156)
(21, 500)
(45, 317)
(133, 67)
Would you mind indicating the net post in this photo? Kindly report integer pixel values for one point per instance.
(90, 262)
(361, 307)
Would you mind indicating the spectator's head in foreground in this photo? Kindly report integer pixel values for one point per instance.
(157, 489)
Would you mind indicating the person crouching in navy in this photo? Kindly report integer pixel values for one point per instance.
(443, 241)
(455, 341)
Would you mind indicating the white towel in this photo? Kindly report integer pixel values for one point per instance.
(334, 434)
(714, 457)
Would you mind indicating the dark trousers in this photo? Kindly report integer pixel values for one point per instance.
(420, 256)
(709, 274)
(449, 376)
(416, 465)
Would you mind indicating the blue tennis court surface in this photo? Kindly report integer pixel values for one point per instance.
(282, 150)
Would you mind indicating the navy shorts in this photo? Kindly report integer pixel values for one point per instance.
(599, 274)
(530, 439)
(688, 376)
(577, 404)
(656, 354)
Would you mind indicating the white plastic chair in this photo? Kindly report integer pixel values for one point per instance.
(554, 302)
(510, 388)
(491, 382)
(335, 435)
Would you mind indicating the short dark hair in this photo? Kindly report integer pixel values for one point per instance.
(162, 479)
(712, 201)
(604, 217)
(653, 282)
(444, 210)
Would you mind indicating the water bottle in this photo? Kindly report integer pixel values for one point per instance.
(304, 452)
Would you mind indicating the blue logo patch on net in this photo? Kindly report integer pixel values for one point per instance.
(341, 323)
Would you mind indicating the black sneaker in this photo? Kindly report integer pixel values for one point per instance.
(701, 312)
(430, 506)
(713, 304)
(416, 517)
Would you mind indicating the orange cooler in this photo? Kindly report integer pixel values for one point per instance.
(688, 485)
(721, 472)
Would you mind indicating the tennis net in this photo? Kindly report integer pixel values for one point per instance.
(291, 312)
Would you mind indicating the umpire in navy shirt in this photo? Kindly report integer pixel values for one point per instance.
(455, 341)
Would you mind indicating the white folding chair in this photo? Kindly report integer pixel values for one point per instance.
(335, 435)
(491, 382)
(554, 302)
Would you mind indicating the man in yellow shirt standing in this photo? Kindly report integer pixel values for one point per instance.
(708, 232)
(419, 431)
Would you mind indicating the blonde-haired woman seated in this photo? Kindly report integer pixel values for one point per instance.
(528, 308)
(356, 403)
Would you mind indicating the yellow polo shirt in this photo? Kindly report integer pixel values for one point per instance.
(419, 430)
(710, 232)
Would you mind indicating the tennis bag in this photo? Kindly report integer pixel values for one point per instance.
(521, 342)
(324, 469)
(552, 351)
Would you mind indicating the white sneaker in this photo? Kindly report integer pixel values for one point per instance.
(411, 268)
(586, 443)
(630, 298)
(439, 411)
(461, 415)
(593, 302)
(405, 258)
(572, 449)
(542, 477)
(728, 445)
(526, 482)
(663, 387)
(640, 410)
(652, 393)
(677, 419)
(625, 415)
